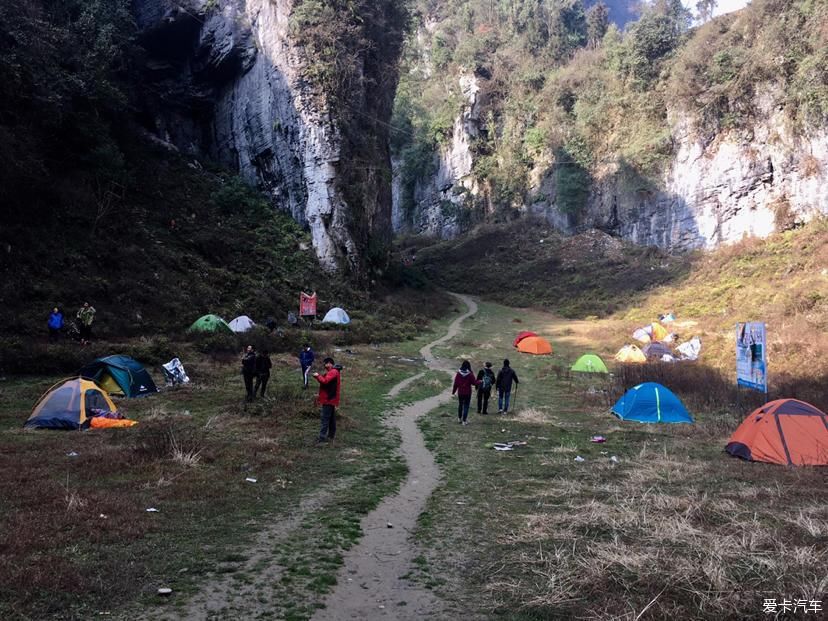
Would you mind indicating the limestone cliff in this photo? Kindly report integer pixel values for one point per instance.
(228, 79)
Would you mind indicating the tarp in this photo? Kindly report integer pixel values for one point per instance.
(174, 372)
(210, 323)
(242, 323)
(691, 349)
(535, 345)
(68, 405)
(786, 431)
(590, 363)
(336, 315)
(651, 403)
(522, 335)
(120, 375)
(630, 354)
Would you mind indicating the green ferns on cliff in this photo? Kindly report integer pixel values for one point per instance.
(568, 95)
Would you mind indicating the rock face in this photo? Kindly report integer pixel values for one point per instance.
(228, 81)
(711, 194)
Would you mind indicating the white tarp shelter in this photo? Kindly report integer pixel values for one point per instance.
(336, 315)
(242, 323)
(691, 349)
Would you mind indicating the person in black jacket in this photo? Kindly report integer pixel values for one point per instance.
(505, 377)
(263, 366)
(486, 377)
(249, 370)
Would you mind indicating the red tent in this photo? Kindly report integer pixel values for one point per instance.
(521, 336)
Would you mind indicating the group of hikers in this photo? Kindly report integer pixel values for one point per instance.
(256, 373)
(465, 379)
(85, 317)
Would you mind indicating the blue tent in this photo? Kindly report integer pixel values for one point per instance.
(120, 375)
(651, 403)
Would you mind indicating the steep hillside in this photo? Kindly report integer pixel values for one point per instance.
(663, 134)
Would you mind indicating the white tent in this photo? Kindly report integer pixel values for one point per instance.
(243, 323)
(642, 335)
(337, 315)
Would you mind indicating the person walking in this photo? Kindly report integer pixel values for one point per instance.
(85, 316)
(330, 385)
(249, 371)
(486, 377)
(306, 359)
(55, 324)
(263, 366)
(505, 378)
(463, 382)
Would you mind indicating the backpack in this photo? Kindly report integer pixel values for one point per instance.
(486, 380)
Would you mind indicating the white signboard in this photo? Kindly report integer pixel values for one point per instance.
(751, 356)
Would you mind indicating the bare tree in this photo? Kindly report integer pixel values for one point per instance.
(705, 9)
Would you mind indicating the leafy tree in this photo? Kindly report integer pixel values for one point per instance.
(597, 21)
(705, 9)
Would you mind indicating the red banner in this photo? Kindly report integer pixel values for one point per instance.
(307, 305)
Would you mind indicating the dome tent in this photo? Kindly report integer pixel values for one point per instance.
(210, 323)
(242, 323)
(785, 431)
(336, 315)
(68, 405)
(590, 363)
(120, 375)
(651, 403)
(535, 345)
(630, 354)
(522, 335)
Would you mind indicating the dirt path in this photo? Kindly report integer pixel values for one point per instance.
(372, 583)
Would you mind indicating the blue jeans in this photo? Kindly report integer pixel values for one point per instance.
(463, 407)
(503, 401)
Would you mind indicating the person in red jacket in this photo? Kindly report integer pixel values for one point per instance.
(463, 382)
(329, 386)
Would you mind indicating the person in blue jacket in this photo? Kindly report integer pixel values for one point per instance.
(306, 358)
(55, 324)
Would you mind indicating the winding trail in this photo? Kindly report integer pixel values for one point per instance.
(372, 582)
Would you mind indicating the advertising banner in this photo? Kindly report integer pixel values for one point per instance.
(751, 356)
(307, 304)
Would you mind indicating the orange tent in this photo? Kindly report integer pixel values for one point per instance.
(521, 336)
(534, 345)
(785, 431)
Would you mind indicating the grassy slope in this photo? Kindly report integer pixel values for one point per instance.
(781, 281)
(64, 554)
(531, 534)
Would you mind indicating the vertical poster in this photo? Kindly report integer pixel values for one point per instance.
(307, 304)
(751, 356)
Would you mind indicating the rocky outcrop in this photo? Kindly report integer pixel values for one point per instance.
(227, 80)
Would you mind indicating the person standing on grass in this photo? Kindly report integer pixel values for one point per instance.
(85, 316)
(55, 324)
(330, 385)
(486, 377)
(249, 371)
(306, 359)
(505, 377)
(263, 366)
(463, 382)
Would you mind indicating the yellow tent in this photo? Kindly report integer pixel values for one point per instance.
(630, 354)
(68, 405)
(659, 332)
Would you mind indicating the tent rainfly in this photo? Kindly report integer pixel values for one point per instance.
(336, 315)
(242, 323)
(590, 363)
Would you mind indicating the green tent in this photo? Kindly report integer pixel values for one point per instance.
(590, 363)
(210, 323)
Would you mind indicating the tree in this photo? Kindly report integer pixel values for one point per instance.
(705, 9)
(597, 21)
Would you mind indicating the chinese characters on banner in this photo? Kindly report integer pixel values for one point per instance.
(751, 359)
(307, 305)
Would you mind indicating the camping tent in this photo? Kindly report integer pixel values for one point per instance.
(641, 334)
(68, 405)
(651, 403)
(630, 353)
(659, 332)
(785, 431)
(656, 351)
(210, 323)
(521, 336)
(535, 345)
(242, 323)
(120, 375)
(336, 315)
(691, 349)
(590, 363)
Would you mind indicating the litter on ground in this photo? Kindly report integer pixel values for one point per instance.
(598, 439)
(153, 510)
(579, 459)
(250, 480)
